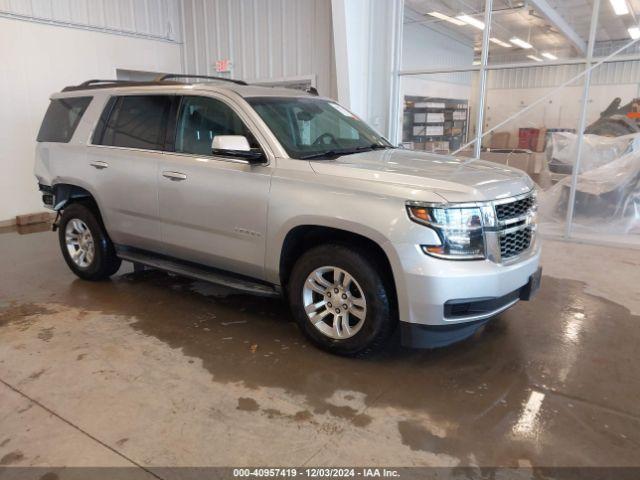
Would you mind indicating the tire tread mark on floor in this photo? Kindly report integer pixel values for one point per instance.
(80, 429)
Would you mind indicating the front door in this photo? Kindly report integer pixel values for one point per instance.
(213, 209)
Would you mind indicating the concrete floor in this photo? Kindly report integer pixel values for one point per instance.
(155, 370)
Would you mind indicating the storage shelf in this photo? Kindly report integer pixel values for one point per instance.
(416, 121)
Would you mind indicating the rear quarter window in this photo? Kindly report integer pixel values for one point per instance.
(62, 119)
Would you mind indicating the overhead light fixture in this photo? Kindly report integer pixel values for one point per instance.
(497, 41)
(634, 32)
(533, 57)
(447, 18)
(474, 22)
(520, 43)
(549, 55)
(620, 7)
(476, 62)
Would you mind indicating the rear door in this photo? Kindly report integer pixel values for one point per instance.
(126, 151)
(213, 209)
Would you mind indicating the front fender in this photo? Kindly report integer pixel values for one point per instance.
(276, 243)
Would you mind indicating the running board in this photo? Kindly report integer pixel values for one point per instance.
(197, 272)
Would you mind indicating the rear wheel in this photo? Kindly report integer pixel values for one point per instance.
(85, 245)
(340, 301)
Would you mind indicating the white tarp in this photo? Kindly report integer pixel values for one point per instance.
(608, 188)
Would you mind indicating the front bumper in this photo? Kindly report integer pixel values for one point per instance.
(442, 293)
(417, 335)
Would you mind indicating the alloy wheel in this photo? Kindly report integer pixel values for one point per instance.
(334, 302)
(79, 242)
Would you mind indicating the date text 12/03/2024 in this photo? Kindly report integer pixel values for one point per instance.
(315, 473)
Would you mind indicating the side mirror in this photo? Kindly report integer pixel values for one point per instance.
(235, 146)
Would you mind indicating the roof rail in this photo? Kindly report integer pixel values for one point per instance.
(97, 84)
(96, 80)
(163, 77)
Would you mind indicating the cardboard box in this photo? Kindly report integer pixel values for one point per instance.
(31, 218)
(522, 159)
(500, 140)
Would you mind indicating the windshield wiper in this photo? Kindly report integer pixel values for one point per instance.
(330, 153)
(375, 146)
(346, 151)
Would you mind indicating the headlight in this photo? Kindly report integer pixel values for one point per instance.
(459, 228)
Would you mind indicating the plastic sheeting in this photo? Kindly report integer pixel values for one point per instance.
(596, 150)
(608, 184)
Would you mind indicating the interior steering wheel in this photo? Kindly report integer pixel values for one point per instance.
(325, 139)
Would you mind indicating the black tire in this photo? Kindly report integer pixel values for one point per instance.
(105, 262)
(380, 319)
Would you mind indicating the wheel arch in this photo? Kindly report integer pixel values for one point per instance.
(68, 192)
(302, 237)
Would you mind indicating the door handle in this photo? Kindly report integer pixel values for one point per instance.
(176, 176)
(99, 165)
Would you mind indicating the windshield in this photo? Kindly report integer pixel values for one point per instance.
(315, 128)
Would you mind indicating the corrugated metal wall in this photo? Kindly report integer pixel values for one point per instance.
(156, 19)
(553, 76)
(263, 39)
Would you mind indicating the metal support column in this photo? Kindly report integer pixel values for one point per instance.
(595, 14)
(486, 35)
(395, 103)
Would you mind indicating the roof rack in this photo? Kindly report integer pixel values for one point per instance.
(98, 83)
(164, 77)
(96, 80)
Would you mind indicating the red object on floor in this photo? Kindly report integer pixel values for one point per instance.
(528, 138)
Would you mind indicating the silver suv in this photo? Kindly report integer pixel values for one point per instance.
(274, 191)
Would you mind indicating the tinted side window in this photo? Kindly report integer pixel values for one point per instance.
(138, 121)
(62, 119)
(201, 119)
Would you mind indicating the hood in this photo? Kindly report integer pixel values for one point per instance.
(455, 179)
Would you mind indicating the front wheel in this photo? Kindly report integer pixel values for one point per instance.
(341, 301)
(85, 245)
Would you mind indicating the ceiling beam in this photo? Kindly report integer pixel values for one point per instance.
(560, 23)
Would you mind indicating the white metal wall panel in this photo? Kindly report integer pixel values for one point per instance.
(79, 10)
(96, 12)
(263, 39)
(552, 76)
(264, 54)
(61, 11)
(40, 8)
(189, 49)
(149, 18)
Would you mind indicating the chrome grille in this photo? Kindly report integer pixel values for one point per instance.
(515, 233)
(506, 211)
(514, 243)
